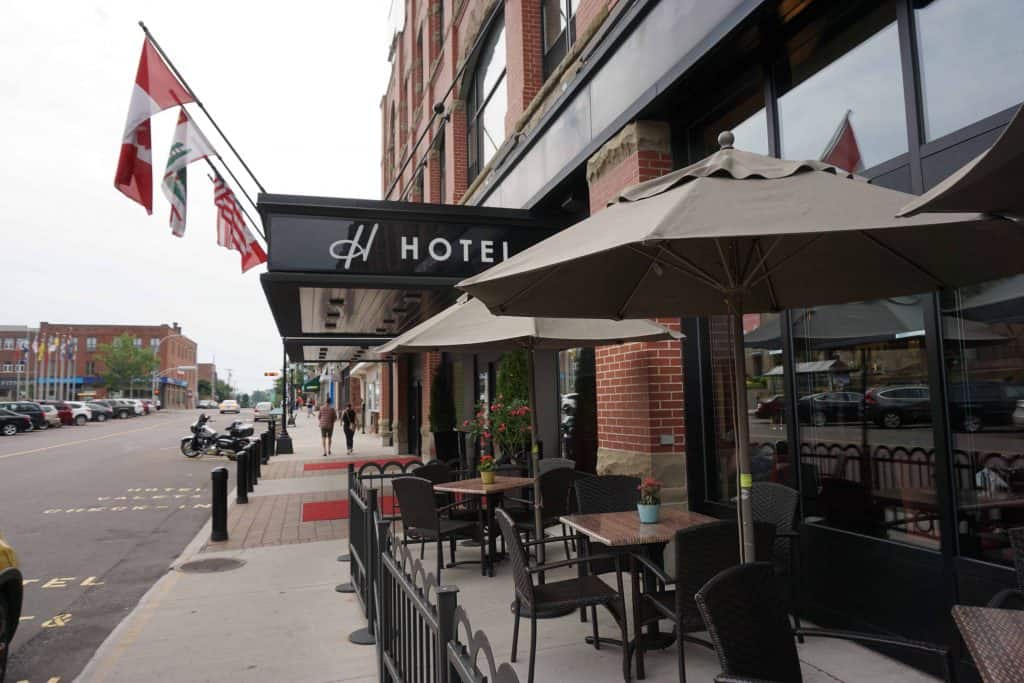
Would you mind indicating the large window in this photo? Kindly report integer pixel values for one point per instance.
(577, 389)
(842, 97)
(487, 101)
(984, 354)
(864, 409)
(558, 24)
(972, 60)
(738, 108)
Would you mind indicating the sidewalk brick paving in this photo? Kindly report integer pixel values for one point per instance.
(277, 520)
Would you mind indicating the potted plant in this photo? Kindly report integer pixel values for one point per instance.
(503, 426)
(649, 507)
(486, 469)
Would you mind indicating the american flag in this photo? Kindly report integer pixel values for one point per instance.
(232, 232)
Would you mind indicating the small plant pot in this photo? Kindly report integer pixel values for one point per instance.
(487, 477)
(649, 514)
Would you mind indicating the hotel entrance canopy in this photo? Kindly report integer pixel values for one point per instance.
(345, 275)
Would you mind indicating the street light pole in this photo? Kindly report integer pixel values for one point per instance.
(284, 439)
(156, 350)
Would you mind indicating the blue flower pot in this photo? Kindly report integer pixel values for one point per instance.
(649, 514)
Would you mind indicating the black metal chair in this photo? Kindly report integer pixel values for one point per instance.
(747, 621)
(585, 591)
(545, 465)
(779, 505)
(555, 490)
(423, 520)
(701, 553)
(1013, 598)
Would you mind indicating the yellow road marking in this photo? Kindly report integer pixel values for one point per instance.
(58, 621)
(80, 441)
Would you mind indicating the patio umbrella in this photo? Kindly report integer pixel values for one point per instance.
(740, 232)
(469, 326)
(989, 183)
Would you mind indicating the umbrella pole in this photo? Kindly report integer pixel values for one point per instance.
(744, 508)
(538, 525)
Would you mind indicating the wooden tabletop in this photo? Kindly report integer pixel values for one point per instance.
(995, 638)
(624, 528)
(476, 487)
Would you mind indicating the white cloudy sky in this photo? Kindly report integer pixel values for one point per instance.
(296, 88)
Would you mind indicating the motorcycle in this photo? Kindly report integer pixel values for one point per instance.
(207, 441)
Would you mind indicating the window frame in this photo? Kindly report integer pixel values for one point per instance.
(560, 47)
(476, 105)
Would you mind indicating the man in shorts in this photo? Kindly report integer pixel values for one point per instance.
(328, 416)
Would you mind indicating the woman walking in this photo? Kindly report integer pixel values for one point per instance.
(328, 416)
(348, 423)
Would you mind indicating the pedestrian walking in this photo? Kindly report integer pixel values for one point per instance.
(310, 407)
(348, 423)
(328, 415)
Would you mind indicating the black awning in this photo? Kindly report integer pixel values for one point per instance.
(356, 269)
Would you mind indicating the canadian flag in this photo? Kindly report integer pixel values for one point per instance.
(156, 89)
(842, 150)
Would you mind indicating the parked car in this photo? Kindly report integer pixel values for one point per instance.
(150, 405)
(831, 407)
(10, 600)
(122, 408)
(895, 406)
(52, 416)
(101, 412)
(768, 408)
(207, 404)
(262, 411)
(975, 405)
(11, 422)
(30, 408)
(137, 405)
(63, 410)
(80, 412)
(229, 406)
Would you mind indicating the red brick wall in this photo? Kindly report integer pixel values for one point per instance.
(524, 48)
(430, 362)
(639, 385)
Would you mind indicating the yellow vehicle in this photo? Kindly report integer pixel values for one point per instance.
(10, 601)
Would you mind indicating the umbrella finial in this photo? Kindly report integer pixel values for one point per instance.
(725, 139)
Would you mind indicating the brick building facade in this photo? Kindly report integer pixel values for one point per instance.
(80, 375)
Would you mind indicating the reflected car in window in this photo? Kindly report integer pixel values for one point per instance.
(831, 407)
(975, 405)
(773, 406)
(898, 406)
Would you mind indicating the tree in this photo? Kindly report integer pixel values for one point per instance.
(224, 390)
(205, 388)
(261, 395)
(513, 376)
(243, 400)
(126, 364)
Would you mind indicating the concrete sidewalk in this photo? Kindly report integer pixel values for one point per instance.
(278, 618)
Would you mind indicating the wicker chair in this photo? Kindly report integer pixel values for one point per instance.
(1013, 598)
(779, 505)
(746, 619)
(610, 493)
(585, 591)
(555, 489)
(701, 553)
(423, 520)
(545, 465)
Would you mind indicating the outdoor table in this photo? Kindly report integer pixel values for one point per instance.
(491, 494)
(995, 638)
(624, 529)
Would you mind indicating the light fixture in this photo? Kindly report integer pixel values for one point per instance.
(336, 302)
(412, 296)
(381, 330)
(389, 321)
(399, 309)
(333, 314)
(330, 325)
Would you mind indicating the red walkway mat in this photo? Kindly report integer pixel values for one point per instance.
(311, 466)
(337, 509)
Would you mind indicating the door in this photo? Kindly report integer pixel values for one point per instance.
(415, 418)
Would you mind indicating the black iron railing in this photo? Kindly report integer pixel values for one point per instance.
(463, 653)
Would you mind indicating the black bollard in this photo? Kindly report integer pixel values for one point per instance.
(257, 450)
(249, 469)
(242, 477)
(219, 477)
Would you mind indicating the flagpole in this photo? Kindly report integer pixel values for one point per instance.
(199, 103)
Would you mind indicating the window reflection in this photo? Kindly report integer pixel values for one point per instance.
(769, 460)
(577, 388)
(742, 112)
(971, 58)
(985, 368)
(865, 419)
(487, 102)
(843, 97)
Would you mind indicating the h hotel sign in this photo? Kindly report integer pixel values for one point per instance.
(360, 237)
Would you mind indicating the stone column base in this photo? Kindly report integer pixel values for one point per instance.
(669, 468)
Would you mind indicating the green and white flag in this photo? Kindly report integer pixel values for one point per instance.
(189, 145)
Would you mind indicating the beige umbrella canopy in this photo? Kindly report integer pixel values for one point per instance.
(989, 183)
(740, 232)
(469, 326)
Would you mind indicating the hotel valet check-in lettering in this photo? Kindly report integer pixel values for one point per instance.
(458, 242)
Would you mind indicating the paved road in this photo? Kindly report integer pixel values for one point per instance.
(96, 514)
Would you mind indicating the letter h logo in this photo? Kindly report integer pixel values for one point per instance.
(347, 250)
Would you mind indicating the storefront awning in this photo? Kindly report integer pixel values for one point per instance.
(345, 275)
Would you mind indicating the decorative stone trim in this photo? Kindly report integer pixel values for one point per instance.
(637, 136)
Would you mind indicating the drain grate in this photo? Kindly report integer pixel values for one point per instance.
(214, 564)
